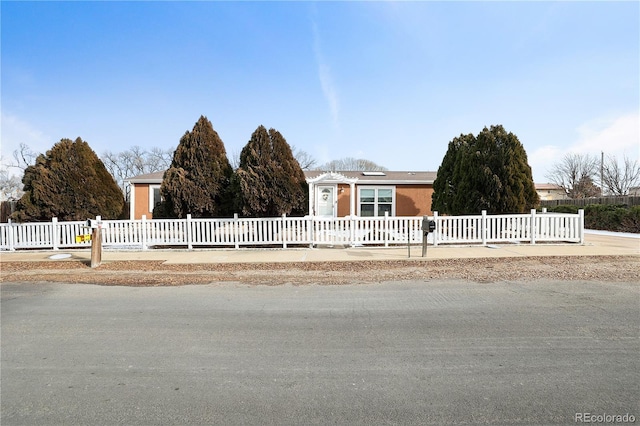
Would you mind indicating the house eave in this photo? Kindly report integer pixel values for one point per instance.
(149, 181)
(394, 182)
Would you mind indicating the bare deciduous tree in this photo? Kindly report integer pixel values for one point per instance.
(10, 186)
(158, 159)
(576, 174)
(136, 161)
(619, 178)
(306, 160)
(23, 157)
(235, 159)
(351, 164)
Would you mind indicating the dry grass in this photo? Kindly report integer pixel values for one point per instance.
(156, 273)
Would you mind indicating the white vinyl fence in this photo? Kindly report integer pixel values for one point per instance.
(298, 231)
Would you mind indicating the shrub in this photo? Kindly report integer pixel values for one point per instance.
(565, 208)
(606, 217)
(631, 221)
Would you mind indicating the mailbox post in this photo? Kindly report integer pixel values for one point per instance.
(96, 241)
(427, 227)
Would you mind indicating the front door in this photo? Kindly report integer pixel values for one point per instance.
(326, 201)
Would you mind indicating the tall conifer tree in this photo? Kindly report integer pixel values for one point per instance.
(197, 182)
(487, 172)
(269, 181)
(69, 182)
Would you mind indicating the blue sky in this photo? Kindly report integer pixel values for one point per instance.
(392, 82)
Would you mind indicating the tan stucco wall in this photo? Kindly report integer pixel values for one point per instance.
(141, 201)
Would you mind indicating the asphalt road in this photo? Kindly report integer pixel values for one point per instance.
(446, 352)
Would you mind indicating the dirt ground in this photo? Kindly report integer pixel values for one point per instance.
(151, 273)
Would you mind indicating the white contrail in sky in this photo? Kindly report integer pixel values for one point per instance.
(326, 81)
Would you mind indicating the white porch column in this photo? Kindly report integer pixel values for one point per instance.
(132, 202)
(311, 198)
(352, 199)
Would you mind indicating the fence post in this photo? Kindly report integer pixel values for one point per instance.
(282, 232)
(189, 236)
(236, 230)
(484, 227)
(581, 225)
(533, 226)
(10, 235)
(310, 230)
(54, 233)
(436, 233)
(143, 224)
(352, 231)
(386, 229)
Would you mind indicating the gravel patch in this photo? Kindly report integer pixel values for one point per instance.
(156, 273)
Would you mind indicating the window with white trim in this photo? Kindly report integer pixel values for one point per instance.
(375, 201)
(154, 196)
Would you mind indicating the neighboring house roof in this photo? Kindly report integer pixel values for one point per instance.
(147, 178)
(548, 187)
(383, 177)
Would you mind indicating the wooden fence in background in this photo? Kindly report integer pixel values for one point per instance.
(629, 200)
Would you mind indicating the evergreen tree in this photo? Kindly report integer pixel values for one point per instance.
(69, 182)
(443, 198)
(269, 181)
(488, 172)
(197, 182)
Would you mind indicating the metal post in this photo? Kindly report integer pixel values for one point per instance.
(602, 174)
(425, 230)
(424, 246)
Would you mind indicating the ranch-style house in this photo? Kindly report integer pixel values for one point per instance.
(331, 194)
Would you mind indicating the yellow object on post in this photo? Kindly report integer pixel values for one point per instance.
(83, 238)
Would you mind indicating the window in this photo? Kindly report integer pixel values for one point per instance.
(376, 201)
(154, 196)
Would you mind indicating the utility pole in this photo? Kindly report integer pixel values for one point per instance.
(602, 173)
